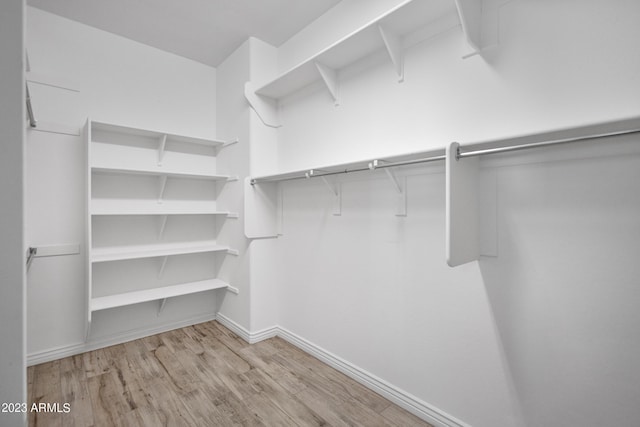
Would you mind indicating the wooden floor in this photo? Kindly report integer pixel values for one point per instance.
(204, 375)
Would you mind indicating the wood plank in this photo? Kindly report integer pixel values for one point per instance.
(285, 377)
(95, 363)
(108, 406)
(338, 380)
(290, 405)
(230, 339)
(75, 391)
(47, 390)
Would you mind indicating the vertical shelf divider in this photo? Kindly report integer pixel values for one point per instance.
(462, 208)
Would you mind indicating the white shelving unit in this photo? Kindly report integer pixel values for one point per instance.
(136, 175)
(394, 31)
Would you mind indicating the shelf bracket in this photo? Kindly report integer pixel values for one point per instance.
(334, 187)
(162, 266)
(266, 108)
(163, 302)
(163, 225)
(227, 144)
(393, 43)
(399, 184)
(161, 146)
(480, 27)
(163, 185)
(330, 78)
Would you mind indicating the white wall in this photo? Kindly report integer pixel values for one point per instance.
(13, 374)
(233, 119)
(122, 81)
(540, 335)
(564, 286)
(115, 80)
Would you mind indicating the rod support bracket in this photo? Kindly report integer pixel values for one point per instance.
(333, 186)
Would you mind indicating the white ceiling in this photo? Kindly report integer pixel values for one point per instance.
(206, 31)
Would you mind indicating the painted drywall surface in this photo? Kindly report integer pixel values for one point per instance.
(122, 81)
(405, 317)
(233, 118)
(375, 289)
(13, 375)
(114, 80)
(564, 288)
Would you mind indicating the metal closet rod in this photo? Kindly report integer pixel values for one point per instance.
(315, 173)
(472, 153)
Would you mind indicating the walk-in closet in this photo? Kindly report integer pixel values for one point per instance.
(320, 213)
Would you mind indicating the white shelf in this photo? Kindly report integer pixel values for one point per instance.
(120, 253)
(108, 127)
(401, 21)
(153, 207)
(156, 171)
(129, 298)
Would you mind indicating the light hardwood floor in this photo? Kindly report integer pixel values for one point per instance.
(204, 375)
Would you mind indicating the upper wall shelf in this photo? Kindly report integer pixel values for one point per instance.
(394, 31)
(386, 31)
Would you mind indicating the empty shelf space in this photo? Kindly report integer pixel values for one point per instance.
(158, 171)
(153, 207)
(120, 253)
(129, 298)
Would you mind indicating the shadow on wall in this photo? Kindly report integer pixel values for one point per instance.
(564, 289)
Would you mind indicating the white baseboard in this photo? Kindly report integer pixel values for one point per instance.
(242, 332)
(401, 398)
(106, 341)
